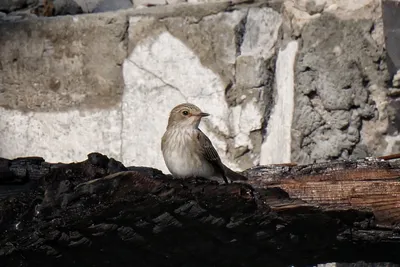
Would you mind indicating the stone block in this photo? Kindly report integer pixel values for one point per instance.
(62, 63)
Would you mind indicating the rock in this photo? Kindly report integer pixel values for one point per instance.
(296, 17)
(315, 6)
(391, 13)
(335, 71)
(259, 39)
(12, 5)
(298, 13)
(66, 7)
(242, 126)
(149, 2)
(202, 1)
(63, 63)
(87, 5)
(396, 79)
(171, 2)
(13, 18)
(19, 15)
(251, 72)
(112, 5)
(255, 48)
(363, 9)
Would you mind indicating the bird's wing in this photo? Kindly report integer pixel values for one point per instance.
(210, 154)
(207, 148)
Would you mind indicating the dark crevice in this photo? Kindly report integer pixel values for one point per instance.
(240, 30)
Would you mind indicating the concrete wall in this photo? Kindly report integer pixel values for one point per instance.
(299, 81)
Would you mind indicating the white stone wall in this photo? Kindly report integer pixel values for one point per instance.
(159, 72)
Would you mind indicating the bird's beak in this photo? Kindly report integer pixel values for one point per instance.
(203, 114)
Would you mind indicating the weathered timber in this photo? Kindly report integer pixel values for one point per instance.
(100, 213)
(373, 185)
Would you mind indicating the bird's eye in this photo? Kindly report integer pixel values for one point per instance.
(185, 112)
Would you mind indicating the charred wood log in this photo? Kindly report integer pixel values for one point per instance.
(100, 213)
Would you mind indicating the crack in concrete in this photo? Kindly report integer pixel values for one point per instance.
(158, 78)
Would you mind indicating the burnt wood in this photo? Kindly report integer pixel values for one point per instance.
(100, 213)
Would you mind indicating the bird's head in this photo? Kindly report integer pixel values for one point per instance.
(186, 116)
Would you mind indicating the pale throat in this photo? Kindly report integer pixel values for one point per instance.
(185, 125)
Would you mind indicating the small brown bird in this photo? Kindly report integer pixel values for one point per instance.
(187, 150)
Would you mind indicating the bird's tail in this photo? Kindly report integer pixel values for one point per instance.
(234, 176)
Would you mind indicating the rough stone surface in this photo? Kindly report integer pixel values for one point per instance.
(66, 7)
(112, 5)
(203, 1)
(149, 2)
(87, 5)
(360, 9)
(171, 2)
(391, 13)
(337, 68)
(62, 63)
(11, 5)
(299, 13)
(258, 45)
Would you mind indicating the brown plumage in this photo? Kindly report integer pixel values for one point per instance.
(187, 151)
